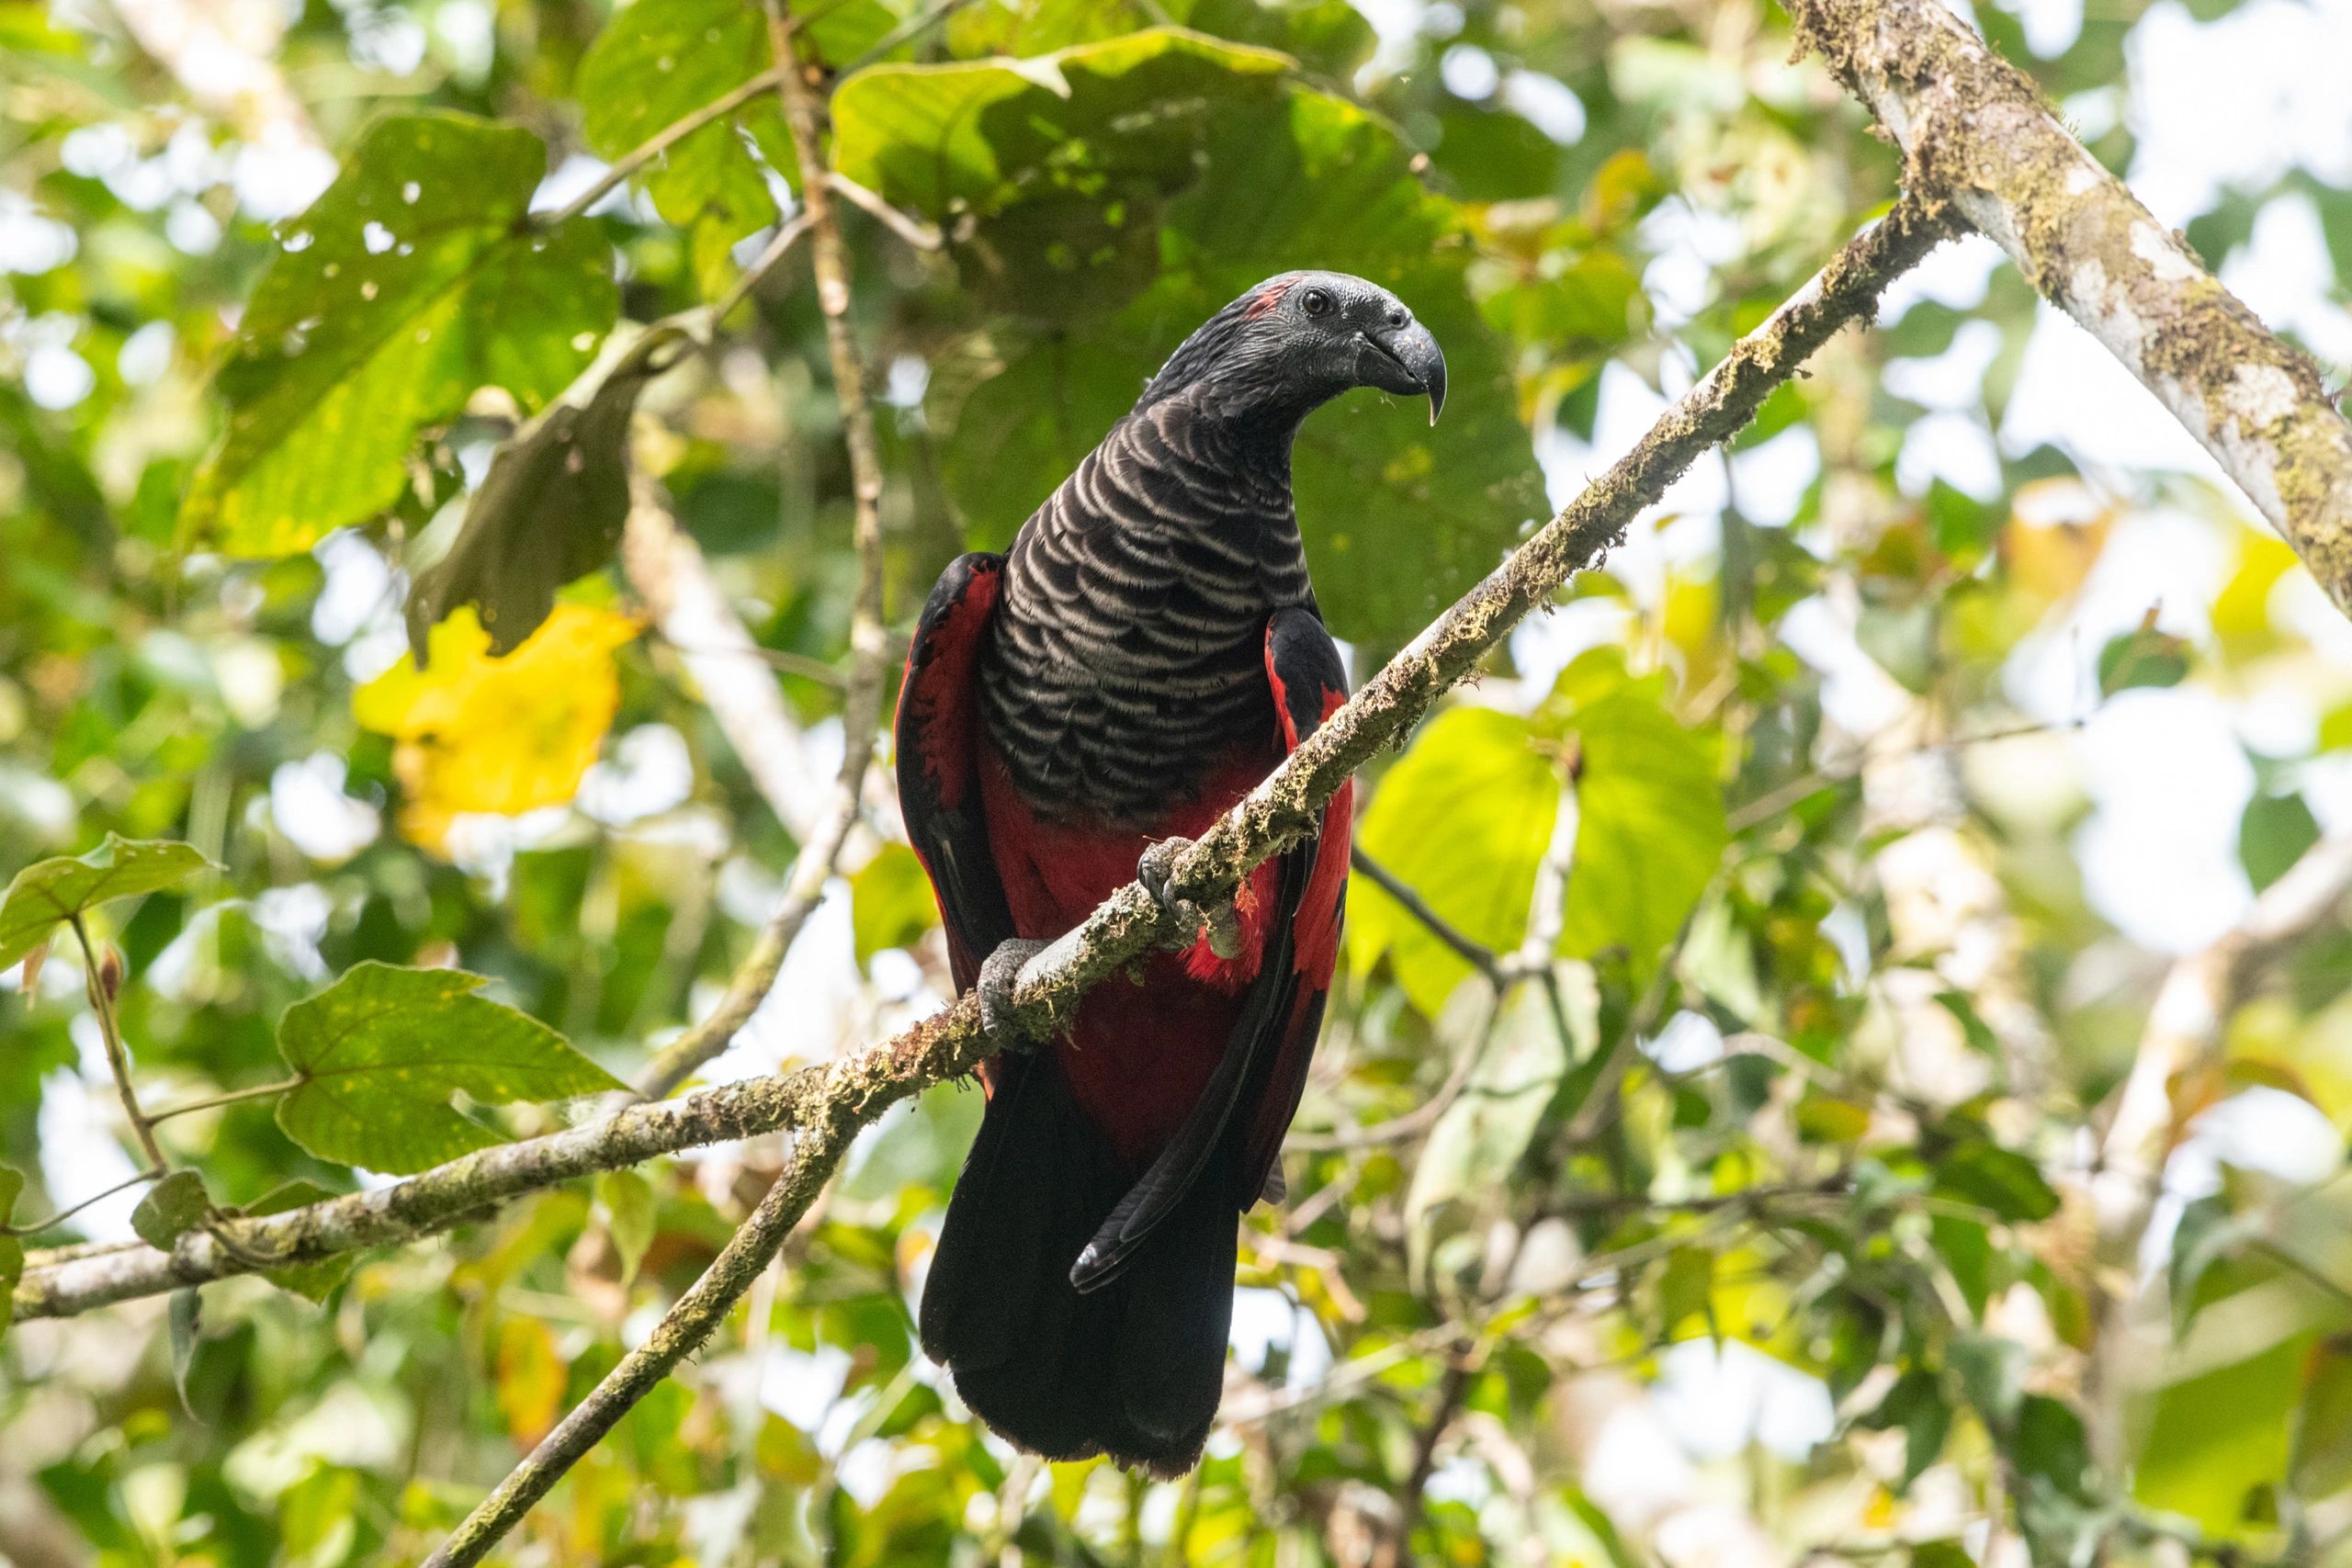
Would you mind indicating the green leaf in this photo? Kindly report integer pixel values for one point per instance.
(2273, 835)
(1686, 1287)
(414, 280)
(1650, 824)
(551, 508)
(1477, 1142)
(1475, 868)
(2143, 657)
(2323, 1442)
(659, 61)
(1992, 1373)
(891, 902)
(12, 1248)
(2216, 1441)
(316, 1281)
(629, 1213)
(1917, 1405)
(186, 1332)
(2057, 1504)
(2000, 1179)
(173, 1207)
(1329, 37)
(48, 892)
(380, 1051)
(983, 135)
(1061, 160)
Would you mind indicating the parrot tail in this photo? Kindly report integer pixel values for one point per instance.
(1132, 1367)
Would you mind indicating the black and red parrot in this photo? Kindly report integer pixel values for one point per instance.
(1074, 709)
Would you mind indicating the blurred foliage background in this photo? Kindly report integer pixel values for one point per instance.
(1747, 1177)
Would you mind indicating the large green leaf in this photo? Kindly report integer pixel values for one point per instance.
(2217, 1441)
(379, 1052)
(52, 891)
(1464, 819)
(1061, 159)
(1398, 517)
(414, 280)
(1650, 826)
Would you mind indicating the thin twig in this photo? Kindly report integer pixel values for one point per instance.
(902, 32)
(34, 1227)
(660, 141)
(1477, 953)
(816, 1150)
(101, 978)
(914, 231)
(232, 1097)
(756, 274)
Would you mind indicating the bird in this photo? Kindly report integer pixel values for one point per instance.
(1074, 711)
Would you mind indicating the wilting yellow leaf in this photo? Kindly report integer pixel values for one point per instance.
(499, 735)
(530, 1378)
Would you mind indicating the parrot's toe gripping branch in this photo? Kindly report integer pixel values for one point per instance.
(1155, 868)
(999, 972)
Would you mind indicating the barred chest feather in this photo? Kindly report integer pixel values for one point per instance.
(1127, 656)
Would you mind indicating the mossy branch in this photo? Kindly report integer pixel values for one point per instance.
(1976, 132)
(853, 1091)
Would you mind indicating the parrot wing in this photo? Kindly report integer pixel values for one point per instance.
(938, 735)
(1265, 1060)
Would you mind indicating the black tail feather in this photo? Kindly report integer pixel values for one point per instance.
(1132, 1368)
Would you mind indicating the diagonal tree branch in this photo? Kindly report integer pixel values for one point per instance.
(1977, 132)
(950, 1044)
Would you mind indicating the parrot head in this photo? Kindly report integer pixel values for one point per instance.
(1297, 341)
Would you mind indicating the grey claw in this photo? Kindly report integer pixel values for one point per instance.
(1156, 864)
(1154, 870)
(1000, 971)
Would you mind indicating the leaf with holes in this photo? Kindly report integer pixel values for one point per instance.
(380, 1051)
(49, 892)
(414, 280)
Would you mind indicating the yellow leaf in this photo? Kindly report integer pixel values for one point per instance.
(506, 735)
(2241, 609)
(530, 1378)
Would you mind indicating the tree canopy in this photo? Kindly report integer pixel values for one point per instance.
(1841, 1045)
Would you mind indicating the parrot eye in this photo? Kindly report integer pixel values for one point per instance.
(1315, 302)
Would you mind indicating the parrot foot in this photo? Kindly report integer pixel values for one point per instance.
(998, 973)
(1222, 926)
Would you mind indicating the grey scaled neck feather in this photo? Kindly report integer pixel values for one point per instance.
(1126, 655)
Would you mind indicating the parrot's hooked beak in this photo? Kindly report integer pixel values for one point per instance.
(1411, 349)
